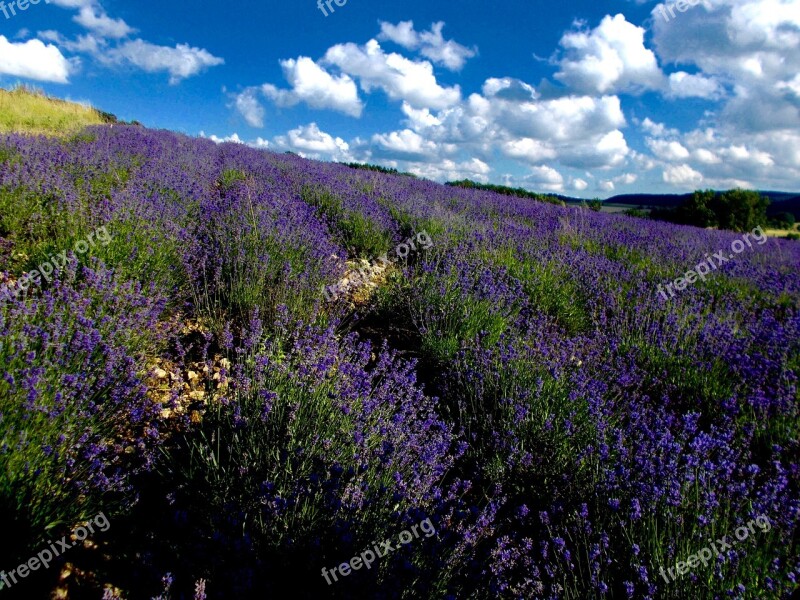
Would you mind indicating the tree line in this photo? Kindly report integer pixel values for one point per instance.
(736, 210)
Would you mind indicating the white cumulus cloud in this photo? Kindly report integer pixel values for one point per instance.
(180, 62)
(682, 176)
(33, 60)
(430, 44)
(316, 87)
(100, 23)
(609, 58)
(311, 142)
(399, 77)
(684, 85)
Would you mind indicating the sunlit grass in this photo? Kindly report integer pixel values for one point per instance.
(24, 110)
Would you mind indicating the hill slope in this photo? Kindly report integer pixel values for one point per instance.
(23, 110)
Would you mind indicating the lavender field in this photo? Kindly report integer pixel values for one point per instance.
(505, 406)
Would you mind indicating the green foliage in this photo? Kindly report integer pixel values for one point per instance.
(108, 117)
(507, 191)
(101, 186)
(784, 220)
(357, 232)
(411, 224)
(272, 439)
(143, 249)
(596, 205)
(636, 212)
(698, 210)
(363, 235)
(447, 316)
(82, 137)
(329, 204)
(472, 317)
(140, 247)
(378, 169)
(522, 399)
(740, 210)
(736, 210)
(233, 454)
(244, 282)
(8, 155)
(231, 177)
(34, 224)
(549, 289)
(701, 389)
(52, 340)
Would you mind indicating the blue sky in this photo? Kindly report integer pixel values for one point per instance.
(588, 99)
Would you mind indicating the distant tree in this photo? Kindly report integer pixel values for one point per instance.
(698, 211)
(737, 210)
(636, 212)
(108, 117)
(665, 214)
(596, 204)
(507, 191)
(740, 210)
(378, 169)
(784, 220)
(463, 183)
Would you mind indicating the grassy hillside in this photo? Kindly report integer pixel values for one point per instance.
(29, 111)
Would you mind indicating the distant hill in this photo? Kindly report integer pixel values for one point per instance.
(25, 110)
(649, 200)
(784, 203)
(780, 201)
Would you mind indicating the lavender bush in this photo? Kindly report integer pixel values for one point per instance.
(567, 429)
(75, 420)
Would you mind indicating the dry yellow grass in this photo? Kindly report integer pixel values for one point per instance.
(782, 233)
(24, 110)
